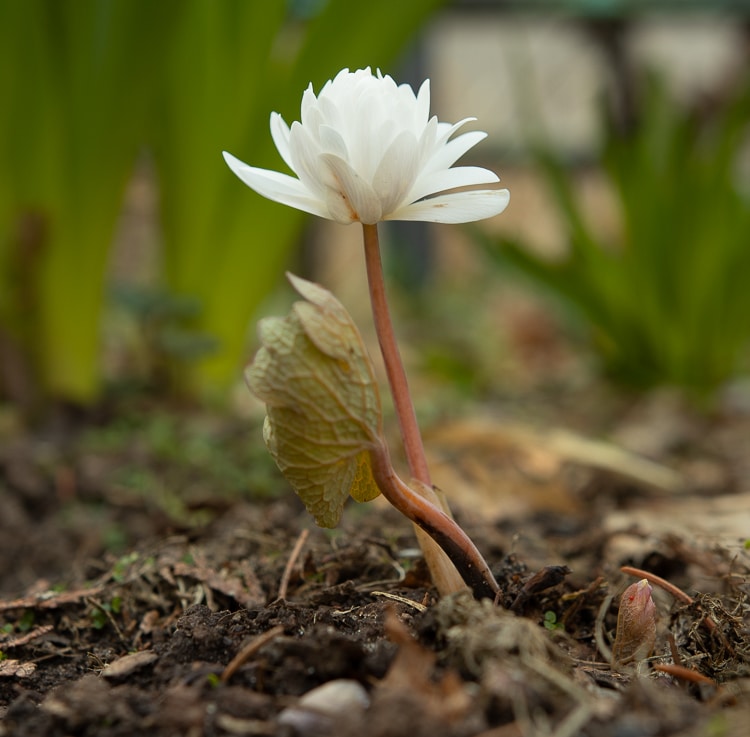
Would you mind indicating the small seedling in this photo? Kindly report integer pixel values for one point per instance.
(26, 622)
(364, 151)
(551, 623)
(122, 566)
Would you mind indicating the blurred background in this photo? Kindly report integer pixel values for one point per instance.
(579, 363)
(133, 261)
(610, 301)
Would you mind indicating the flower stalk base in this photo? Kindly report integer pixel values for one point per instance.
(434, 544)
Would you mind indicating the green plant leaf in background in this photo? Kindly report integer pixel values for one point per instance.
(322, 402)
(232, 63)
(84, 86)
(667, 301)
(75, 87)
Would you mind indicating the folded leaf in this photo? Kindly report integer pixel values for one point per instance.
(322, 402)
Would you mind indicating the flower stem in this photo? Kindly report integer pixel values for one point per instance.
(439, 526)
(407, 418)
(451, 556)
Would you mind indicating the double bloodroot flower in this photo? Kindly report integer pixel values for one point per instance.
(366, 150)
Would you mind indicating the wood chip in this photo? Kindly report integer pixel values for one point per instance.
(128, 663)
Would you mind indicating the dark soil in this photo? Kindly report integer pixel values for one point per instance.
(130, 612)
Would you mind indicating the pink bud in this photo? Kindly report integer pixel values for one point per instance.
(636, 625)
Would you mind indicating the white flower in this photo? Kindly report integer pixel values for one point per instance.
(366, 150)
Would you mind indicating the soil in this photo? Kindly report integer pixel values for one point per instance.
(127, 608)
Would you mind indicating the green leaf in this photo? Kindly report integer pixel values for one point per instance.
(322, 402)
(665, 298)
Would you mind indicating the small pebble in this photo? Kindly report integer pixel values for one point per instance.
(315, 711)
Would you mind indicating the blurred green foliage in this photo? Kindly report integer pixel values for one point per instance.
(621, 8)
(85, 86)
(76, 82)
(667, 301)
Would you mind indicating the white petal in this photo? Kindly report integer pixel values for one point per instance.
(308, 102)
(304, 152)
(427, 138)
(351, 193)
(446, 130)
(280, 135)
(277, 186)
(448, 154)
(329, 114)
(457, 207)
(460, 176)
(422, 111)
(332, 142)
(339, 208)
(396, 172)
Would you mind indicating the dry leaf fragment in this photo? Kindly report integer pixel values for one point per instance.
(322, 402)
(128, 663)
(242, 586)
(636, 624)
(10, 642)
(51, 599)
(16, 668)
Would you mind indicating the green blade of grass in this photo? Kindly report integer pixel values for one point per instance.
(668, 297)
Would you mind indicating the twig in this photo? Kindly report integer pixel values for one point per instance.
(662, 583)
(249, 650)
(676, 658)
(108, 614)
(601, 644)
(51, 600)
(401, 599)
(686, 674)
(296, 550)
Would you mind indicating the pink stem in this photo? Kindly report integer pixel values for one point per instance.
(407, 418)
(456, 544)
